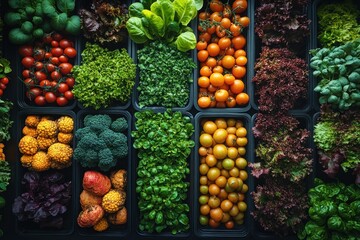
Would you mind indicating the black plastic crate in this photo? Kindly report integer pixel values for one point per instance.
(114, 230)
(239, 231)
(32, 229)
(249, 48)
(305, 122)
(302, 105)
(166, 234)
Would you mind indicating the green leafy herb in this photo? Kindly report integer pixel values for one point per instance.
(165, 76)
(5, 122)
(163, 146)
(338, 23)
(104, 76)
(334, 211)
(4, 67)
(5, 173)
(338, 71)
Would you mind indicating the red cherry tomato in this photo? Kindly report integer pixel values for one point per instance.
(61, 101)
(39, 54)
(3, 86)
(65, 68)
(54, 44)
(57, 52)
(28, 62)
(39, 75)
(57, 36)
(40, 100)
(63, 87)
(39, 65)
(29, 82)
(45, 83)
(47, 39)
(69, 95)
(4, 80)
(26, 73)
(54, 60)
(64, 43)
(26, 51)
(55, 75)
(50, 67)
(50, 97)
(33, 93)
(48, 55)
(1, 92)
(70, 81)
(63, 59)
(70, 52)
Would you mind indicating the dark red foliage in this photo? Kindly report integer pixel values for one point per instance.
(280, 206)
(282, 23)
(281, 79)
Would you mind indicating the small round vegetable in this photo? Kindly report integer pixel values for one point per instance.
(61, 101)
(28, 62)
(70, 52)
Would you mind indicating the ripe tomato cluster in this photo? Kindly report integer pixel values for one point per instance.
(4, 81)
(47, 70)
(221, 55)
(222, 172)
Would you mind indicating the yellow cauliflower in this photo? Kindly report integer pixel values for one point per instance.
(113, 201)
(40, 162)
(65, 124)
(26, 160)
(65, 137)
(47, 129)
(45, 143)
(2, 154)
(28, 145)
(32, 121)
(29, 131)
(60, 153)
(102, 225)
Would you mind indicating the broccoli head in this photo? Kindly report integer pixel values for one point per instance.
(116, 142)
(119, 125)
(80, 133)
(86, 157)
(98, 123)
(106, 160)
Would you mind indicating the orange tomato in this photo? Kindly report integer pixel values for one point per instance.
(205, 36)
(216, 6)
(220, 135)
(239, 6)
(202, 55)
(241, 60)
(242, 98)
(211, 62)
(213, 49)
(237, 87)
(215, 16)
(220, 31)
(204, 15)
(229, 79)
(220, 151)
(221, 95)
(224, 42)
(238, 41)
(204, 102)
(238, 71)
(228, 61)
(231, 102)
(235, 30)
(209, 127)
(225, 23)
(205, 71)
(216, 79)
(244, 21)
(203, 82)
(201, 45)
(239, 52)
(218, 68)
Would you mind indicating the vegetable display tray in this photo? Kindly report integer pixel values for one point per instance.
(29, 229)
(249, 48)
(304, 105)
(239, 231)
(305, 122)
(166, 234)
(115, 230)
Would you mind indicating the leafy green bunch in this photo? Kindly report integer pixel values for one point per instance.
(337, 137)
(165, 76)
(334, 212)
(338, 23)
(164, 20)
(163, 145)
(338, 71)
(104, 76)
(32, 19)
(5, 121)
